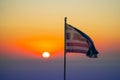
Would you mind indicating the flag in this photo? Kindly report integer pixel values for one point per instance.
(78, 42)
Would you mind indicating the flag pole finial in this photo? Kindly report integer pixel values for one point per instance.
(65, 19)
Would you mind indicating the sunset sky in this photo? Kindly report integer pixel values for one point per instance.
(30, 27)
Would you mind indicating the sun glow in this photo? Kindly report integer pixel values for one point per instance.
(46, 54)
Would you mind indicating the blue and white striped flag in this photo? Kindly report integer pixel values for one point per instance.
(79, 42)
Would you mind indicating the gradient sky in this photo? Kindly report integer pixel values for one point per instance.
(30, 27)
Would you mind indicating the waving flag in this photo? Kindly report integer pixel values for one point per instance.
(79, 42)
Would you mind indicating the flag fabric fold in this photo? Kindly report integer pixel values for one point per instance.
(79, 42)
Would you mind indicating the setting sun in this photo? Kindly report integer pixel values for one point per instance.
(46, 54)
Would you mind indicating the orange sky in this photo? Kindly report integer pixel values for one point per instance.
(37, 26)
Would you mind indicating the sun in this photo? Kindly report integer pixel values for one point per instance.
(46, 54)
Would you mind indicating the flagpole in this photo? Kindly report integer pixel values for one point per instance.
(65, 47)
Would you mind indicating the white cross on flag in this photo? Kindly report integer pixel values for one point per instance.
(79, 42)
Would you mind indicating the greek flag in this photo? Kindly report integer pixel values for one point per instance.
(79, 42)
